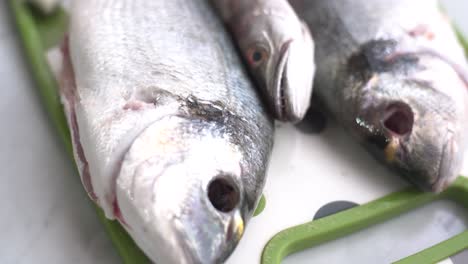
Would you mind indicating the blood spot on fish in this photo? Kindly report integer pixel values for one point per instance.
(118, 213)
(134, 105)
(67, 77)
(422, 31)
(85, 174)
(67, 89)
(223, 194)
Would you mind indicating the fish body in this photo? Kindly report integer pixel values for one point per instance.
(394, 75)
(278, 50)
(169, 134)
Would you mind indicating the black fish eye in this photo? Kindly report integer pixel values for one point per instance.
(257, 56)
(223, 194)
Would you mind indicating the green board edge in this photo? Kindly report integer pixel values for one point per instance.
(301, 237)
(439, 252)
(261, 206)
(462, 40)
(46, 83)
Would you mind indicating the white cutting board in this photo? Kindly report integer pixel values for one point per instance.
(47, 218)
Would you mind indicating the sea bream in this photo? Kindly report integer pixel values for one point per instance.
(278, 50)
(394, 75)
(169, 134)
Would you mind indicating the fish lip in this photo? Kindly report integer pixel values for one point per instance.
(443, 179)
(282, 105)
(293, 80)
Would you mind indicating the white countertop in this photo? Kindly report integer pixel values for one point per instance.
(45, 215)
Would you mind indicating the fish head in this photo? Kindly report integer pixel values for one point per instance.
(415, 124)
(180, 193)
(280, 55)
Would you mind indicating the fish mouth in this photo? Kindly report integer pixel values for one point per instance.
(446, 166)
(398, 121)
(182, 205)
(281, 94)
(445, 173)
(292, 84)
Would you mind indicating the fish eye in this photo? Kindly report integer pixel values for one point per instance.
(256, 55)
(223, 194)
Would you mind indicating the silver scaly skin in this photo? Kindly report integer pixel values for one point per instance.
(278, 50)
(169, 134)
(394, 74)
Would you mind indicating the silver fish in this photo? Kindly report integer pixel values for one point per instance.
(278, 50)
(169, 135)
(394, 74)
